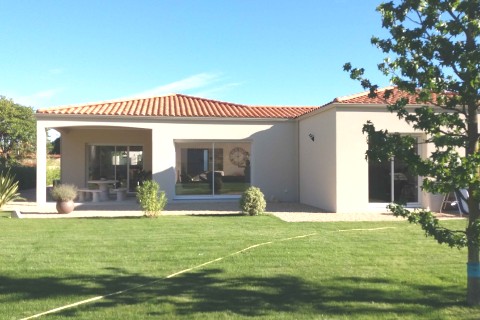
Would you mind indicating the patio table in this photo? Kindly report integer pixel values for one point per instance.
(103, 186)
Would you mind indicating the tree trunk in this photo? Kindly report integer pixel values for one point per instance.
(473, 280)
(473, 265)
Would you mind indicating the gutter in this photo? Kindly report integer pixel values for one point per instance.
(133, 118)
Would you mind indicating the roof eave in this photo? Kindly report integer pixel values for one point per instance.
(43, 116)
(377, 105)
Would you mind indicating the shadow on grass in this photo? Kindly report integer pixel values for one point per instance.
(209, 291)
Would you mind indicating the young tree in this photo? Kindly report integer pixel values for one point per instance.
(17, 130)
(434, 57)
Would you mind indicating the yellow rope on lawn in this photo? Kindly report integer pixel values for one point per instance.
(152, 282)
(371, 229)
(183, 271)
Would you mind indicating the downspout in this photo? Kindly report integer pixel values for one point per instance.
(298, 160)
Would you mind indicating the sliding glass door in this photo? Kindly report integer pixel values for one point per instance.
(121, 163)
(212, 168)
(392, 181)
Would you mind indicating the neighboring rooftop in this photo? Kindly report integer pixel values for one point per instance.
(178, 105)
(363, 98)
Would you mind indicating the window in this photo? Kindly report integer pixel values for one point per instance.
(212, 168)
(121, 163)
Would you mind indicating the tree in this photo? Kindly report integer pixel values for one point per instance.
(55, 146)
(17, 131)
(435, 58)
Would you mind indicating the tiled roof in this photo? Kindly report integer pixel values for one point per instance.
(178, 105)
(362, 98)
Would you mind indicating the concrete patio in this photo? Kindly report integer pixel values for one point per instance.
(287, 211)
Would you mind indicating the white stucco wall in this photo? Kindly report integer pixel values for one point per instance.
(274, 149)
(317, 169)
(333, 169)
(275, 161)
(352, 167)
(273, 155)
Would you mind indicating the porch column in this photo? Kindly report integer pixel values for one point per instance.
(163, 161)
(41, 164)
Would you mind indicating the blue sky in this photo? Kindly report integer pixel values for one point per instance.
(257, 52)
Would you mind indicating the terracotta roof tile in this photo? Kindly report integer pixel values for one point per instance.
(178, 105)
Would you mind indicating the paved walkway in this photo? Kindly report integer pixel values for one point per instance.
(290, 212)
(287, 211)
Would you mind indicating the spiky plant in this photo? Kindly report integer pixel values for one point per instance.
(8, 189)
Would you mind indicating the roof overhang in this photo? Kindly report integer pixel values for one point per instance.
(150, 119)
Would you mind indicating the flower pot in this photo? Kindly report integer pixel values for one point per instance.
(65, 206)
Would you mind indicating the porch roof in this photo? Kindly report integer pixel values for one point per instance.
(179, 105)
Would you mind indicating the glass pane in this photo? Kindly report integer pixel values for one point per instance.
(405, 184)
(237, 172)
(135, 171)
(100, 164)
(379, 182)
(121, 163)
(193, 163)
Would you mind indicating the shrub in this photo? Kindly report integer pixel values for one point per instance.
(151, 199)
(64, 192)
(253, 202)
(52, 175)
(8, 189)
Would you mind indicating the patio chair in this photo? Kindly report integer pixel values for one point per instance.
(462, 200)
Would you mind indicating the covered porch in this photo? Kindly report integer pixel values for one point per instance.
(112, 160)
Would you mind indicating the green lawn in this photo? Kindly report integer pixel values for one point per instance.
(5, 214)
(393, 273)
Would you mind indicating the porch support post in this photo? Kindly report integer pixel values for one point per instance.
(392, 179)
(163, 161)
(41, 164)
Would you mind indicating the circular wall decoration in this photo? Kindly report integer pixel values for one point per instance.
(238, 156)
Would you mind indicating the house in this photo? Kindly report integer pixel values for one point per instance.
(198, 148)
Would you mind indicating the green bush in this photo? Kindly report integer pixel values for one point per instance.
(8, 188)
(151, 199)
(253, 202)
(52, 174)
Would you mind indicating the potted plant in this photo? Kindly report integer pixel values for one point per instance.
(64, 194)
